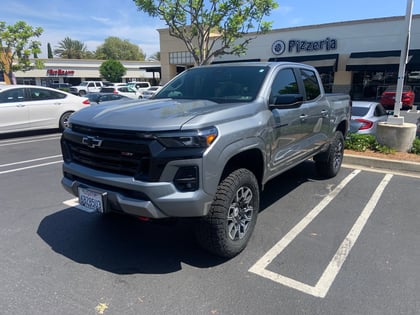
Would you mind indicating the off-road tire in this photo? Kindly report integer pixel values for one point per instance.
(228, 226)
(328, 163)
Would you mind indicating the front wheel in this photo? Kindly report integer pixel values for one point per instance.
(228, 226)
(328, 163)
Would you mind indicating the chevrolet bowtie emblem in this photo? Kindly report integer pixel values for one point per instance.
(92, 142)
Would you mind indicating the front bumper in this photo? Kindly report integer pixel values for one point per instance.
(133, 197)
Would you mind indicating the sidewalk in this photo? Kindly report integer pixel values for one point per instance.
(408, 168)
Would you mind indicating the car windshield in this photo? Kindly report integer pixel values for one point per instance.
(220, 84)
(359, 111)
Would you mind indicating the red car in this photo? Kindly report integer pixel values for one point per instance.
(388, 97)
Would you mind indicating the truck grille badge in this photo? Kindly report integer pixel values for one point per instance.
(92, 142)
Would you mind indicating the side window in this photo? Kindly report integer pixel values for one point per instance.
(12, 96)
(91, 84)
(311, 84)
(284, 84)
(41, 94)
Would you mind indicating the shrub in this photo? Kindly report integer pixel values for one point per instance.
(416, 146)
(361, 143)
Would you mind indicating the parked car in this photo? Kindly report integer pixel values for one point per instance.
(388, 97)
(151, 91)
(139, 86)
(105, 97)
(29, 107)
(365, 117)
(122, 90)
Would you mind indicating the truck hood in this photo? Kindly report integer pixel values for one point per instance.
(149, 115)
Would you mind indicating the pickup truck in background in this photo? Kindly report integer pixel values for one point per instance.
(205, 146)
(87, 87)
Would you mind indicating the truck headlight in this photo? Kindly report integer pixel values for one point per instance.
(200, 138)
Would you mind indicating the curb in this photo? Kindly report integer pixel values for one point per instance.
(375, 163)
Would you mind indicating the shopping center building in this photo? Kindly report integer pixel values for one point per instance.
(357, 57)
(74, 71)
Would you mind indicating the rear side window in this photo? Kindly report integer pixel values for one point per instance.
(41, 94)
(311, 84)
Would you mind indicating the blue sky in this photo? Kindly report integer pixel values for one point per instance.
(92, 21)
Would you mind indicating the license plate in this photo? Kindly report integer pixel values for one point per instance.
(90, 200)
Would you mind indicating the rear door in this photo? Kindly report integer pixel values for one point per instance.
(315, 111)
(44, 107)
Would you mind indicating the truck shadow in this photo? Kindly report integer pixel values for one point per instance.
(124, 245)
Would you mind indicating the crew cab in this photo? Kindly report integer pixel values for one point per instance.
(205, 146)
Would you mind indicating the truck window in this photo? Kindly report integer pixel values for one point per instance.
(311, 84)
(285, 83)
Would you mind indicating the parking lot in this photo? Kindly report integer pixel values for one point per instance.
(347, 245)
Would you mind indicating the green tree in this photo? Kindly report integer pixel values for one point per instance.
(155, 57)
(50, 54)
(211, 28)
(112, 70)
(16, 47)
(70, 49)
(118, 49)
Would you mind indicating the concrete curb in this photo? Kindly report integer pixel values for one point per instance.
(375, 163)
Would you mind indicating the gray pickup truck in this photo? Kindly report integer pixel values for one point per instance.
(205, 146)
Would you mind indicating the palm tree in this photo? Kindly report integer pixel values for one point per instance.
(70, 49)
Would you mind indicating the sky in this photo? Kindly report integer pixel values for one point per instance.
(92, 21)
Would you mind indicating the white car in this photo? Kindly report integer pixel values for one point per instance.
(151, 91)
(123, 90)
(30, 107)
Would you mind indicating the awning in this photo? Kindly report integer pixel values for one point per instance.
(382, 61)
(323, 63)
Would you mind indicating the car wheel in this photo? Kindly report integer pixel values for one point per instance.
(328, 163)
(82, 93)
(64, 121)
(226, 229)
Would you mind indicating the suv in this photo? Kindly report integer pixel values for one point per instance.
(139, 86)
(123, 90)
(86, 87)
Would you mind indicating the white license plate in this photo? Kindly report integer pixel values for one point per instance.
(90, 201)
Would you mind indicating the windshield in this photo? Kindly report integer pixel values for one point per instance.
(84, 83)
(220, 84)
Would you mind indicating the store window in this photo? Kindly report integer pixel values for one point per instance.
(371, 84)
(26, 81)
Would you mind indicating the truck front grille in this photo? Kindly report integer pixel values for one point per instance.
(111, 154)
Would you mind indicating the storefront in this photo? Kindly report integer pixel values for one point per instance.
(356, 57)
(73, 71)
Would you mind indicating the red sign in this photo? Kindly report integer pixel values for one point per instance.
(60, 72)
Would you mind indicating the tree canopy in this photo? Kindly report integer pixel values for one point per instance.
(119, 49)
(211, 28)
(16, 47)
(112, 70)
(70, 49)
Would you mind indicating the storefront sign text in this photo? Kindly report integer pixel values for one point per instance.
(59, 72)
(298, 45)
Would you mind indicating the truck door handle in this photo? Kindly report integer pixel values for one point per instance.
(20, 105)
(303, 117)
(324, 113)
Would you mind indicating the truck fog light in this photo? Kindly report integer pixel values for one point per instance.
(186, 178)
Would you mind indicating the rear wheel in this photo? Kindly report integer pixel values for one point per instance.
(82, 93)
(226, 230)
(64, 121)
(328, 163)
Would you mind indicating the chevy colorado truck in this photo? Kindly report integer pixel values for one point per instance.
(204, 147)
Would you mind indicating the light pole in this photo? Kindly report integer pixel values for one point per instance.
(396, 119)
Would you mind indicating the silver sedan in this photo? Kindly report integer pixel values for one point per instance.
(365, 117)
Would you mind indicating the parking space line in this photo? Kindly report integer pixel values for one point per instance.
(29, 167)
(329, 274)
(33, 160)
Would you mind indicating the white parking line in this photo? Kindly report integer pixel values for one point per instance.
(329, 274)
(29, 167)
(33, 160)
(21, 141)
